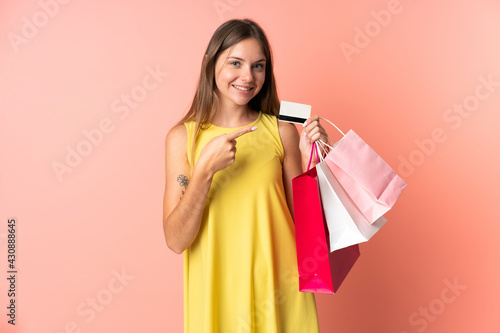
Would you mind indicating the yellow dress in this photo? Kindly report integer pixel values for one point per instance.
(240, 273)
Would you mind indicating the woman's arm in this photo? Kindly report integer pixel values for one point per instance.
(298, 151)
(292, 164)
(184, 197)
(182, 204)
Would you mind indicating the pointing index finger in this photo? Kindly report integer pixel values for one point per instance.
(240, 132)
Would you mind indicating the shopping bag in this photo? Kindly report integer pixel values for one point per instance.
(346, 224)
(320, 270)
(370, 182)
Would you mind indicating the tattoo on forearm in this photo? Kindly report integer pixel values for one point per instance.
(184, 182)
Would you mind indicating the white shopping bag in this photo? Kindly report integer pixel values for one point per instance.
(346, 224)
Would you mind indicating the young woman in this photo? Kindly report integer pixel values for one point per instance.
(228, 194)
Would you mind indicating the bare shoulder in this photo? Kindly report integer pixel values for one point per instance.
(288, 133)
(177, 134)
(176, 145)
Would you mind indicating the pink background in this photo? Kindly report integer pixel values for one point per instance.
(104, 218)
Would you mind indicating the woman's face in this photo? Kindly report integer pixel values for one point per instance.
(240, 73)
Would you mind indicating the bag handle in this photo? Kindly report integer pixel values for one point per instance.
(313, 149)
(324, 152)
(321, 142)
(333, 125)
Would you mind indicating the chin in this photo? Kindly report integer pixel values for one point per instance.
(242, 102)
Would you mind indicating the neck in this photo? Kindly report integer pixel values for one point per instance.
(234, 116)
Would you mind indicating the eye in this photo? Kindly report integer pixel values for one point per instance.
(259, 66)
(234, 63)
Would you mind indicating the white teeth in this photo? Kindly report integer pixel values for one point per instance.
(241, 88)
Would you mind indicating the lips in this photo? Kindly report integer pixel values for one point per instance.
(242, 88)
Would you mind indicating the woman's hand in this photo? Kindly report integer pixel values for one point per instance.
(220, 151)
(311, 132)
(183, 205)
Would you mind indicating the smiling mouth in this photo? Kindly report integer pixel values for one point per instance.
(243, 88)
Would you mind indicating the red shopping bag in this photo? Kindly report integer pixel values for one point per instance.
(320, 271)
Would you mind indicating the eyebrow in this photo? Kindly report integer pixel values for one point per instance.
(261, 60)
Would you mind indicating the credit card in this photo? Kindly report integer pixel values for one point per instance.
(294, 112)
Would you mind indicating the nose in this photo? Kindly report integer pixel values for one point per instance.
(247, 74)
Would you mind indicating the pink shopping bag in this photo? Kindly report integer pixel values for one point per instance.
(320, 271)
(370, 182)
(346, 224)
